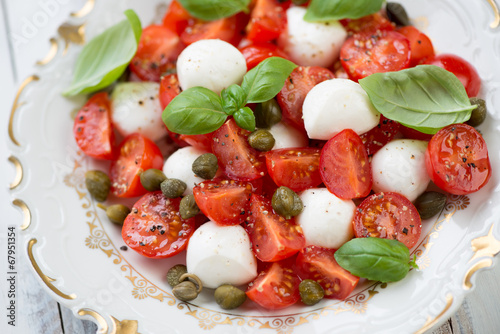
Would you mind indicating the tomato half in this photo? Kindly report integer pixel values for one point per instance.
(154, 227)
(226, 202)
(388, 215)
(276, 287)
(457, 159)
(344, 166)
(273, 237)
(203, 142)
(420, 45)
(176, 18)
(229, 29)
(267, 21)
(137, 154)
(255, 53)
(295, 168)
(380, 135)
(92, 129)
(319, 264)
(369, 24)
(169, 88)
(414, 134)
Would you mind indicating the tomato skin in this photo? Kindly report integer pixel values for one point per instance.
(169, 88)
(420, 45)
(464, 71)
(380, 135)
(319, 264)
(457, 159)
(155, 229)
(369, 24)
(267, 21)
(93, 130)
(257, 52)
(176, 18)
(414, 134)
(295, 168)
(388, 215)
(203, 142)
(228, 29)
(136, 154)
(344, 166)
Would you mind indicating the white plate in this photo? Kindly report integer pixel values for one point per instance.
(76, 252)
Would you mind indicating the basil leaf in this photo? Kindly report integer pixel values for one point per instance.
(233, 98)
(106, 57)
(383, 260)
(195, 111)
(425, 98)
(329, 10)
(210, 10)
(245, 118)
(263, 82)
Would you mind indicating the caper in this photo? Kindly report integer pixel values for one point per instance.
(479, 114)
(261, 140)
(151, 179)
(117, 213)
(267, 114)
(188, 207)
(286, 202)
(397, 14)
(173, 188)
(98, 184)
(229, 297)
(175, 273)
(430, 204)
(310, 292)
(185, 291)
(205, 166)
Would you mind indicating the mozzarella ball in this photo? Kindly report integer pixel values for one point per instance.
(287, 136)
(135, 107)
(210, 63)
(180, 164)
(326, 219)
(335, 105)
(399, 166)
(311, 44)
(221, 255)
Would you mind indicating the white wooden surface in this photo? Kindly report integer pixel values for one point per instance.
(24, 36)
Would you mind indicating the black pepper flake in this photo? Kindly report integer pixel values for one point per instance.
(405, 231)
(162, 232)
(81, 118)
(464, 159)
(159, 227)
(242, 212)
(226, 135)
(473, 165)
(123, 248)
(134, 210)
(142, 243)
(153, 228)
(412, 226)
(79, 129)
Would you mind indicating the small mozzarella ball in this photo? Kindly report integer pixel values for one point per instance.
(135, 107)
(326, 219)
(179, 166)
(335, 105)
(400, 167)
(311, 44)
(287, 136)
(221, 255)
(210, 63)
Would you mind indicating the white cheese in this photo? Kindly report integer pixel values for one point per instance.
(179, 166)
(287, 136)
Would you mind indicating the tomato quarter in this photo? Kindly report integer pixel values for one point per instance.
(380, 135)
(228, 29)
(255, 53)
(169, 88)
(420, 45)
(369, 24)
(267, 21)
(176, 18)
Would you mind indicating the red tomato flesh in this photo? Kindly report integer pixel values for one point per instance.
(380, 135)
(369, 24)
(255, 53)
(228, 29)
(267, 21)
(176, 18)
(169, 88)
(420, 45)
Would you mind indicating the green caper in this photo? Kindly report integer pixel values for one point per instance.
(286, 202)
(188, 207)
(267, 114)
(229, 297)
(430, 204)
(310, 292)
(98, 184)
(117, 213)
(185, 291)
(479, 114)
(151, 179)
(205, 166)
(397, 14)
(175, 273)
(173, 188)
(261, 140)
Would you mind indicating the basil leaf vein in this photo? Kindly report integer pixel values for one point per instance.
(328, 10)
(233, 98)
(210, 10)
(245, 118)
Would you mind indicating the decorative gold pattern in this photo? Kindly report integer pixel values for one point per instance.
(16, 105)
(85, 10)
(124, 326)
(496, 12)
(52, 53)
(485, 246)
(72, 34)
(98, 318)
(19, 172)
(46, 279)
(431, 322)
(467, 285)
(26, 213)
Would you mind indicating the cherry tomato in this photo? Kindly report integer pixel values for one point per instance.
(344, 166)
(255, 53)
(457, 159)
(137, 154)
(169, 88)
(365, 54)
(292, 95)
(176, 18)
(420, 45)
(319, 264)
(226, 202)
(203, 142)
(267, 21)
(295, 168)
(154, 227)
(369, 24)
(380, 135)
(156, 53)
(236, 158)
(273, 237)
(388, 215)
(92, 129)
(414, 134)
(464, 71)
(276, 287)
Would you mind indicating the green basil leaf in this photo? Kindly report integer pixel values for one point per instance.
(195, 111)
(263, 82)
(376, 259)
(233, 98)
(245, 118)
(210, 10)
(329, 10)
(106, 57)
(425, 98)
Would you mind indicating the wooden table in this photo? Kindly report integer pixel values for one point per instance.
(39, 313)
